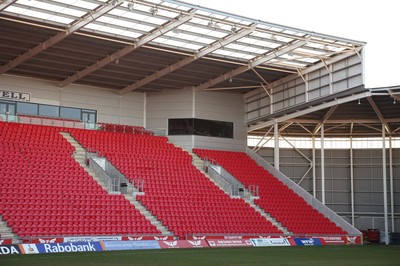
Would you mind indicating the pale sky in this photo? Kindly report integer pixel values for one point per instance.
(371, 21)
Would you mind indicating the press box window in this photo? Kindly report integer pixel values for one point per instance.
(200, 127)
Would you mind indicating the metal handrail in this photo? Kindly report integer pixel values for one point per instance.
(113, 184)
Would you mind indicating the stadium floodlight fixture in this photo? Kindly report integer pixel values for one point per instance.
(233, 29)
(153, 11)
(131, 5)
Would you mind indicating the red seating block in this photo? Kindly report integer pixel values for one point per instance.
(275, 197)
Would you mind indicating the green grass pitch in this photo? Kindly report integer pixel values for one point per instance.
(326, 255)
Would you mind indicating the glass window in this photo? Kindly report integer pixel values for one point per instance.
(213, 128)
(48, 110)
(27, 108)
(200, 127)
(7, 107)
(180, 126)
(70, 113)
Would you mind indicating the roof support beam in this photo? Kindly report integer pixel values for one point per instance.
(6, 3)
(60, 36)
(324, 119)
(379, 114)
(258, 61)
(216, 45)
(310, 110)
(128, 49)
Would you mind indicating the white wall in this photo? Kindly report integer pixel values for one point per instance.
(160, 106)
(111, 108)
(210, 105)
(222, 106)
(151, 110)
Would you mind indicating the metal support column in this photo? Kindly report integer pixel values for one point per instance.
(276, 148)
(385, 210)
(352, 181)
(314, 182)
(391, 183)
(322, 165)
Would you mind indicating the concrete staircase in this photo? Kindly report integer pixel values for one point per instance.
(198, 163)
(146, 213)
(79, 156)
(268, 217)
(7, 233)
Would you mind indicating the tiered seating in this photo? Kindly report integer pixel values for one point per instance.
(45, 192)
(184, 199)
(275, 197)
(123, 128)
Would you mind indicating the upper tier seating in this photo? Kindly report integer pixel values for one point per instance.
(177, 193)
(45, 192)
(275, 198)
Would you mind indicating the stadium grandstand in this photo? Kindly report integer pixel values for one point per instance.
(160, 119)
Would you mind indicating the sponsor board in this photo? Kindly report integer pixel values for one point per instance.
(200, 243)
(216, 243)
(92, 238)
(47, 240)
(213, 237)
(138, 238)
(15, 95)
(341, 240)
(306, 241)
(354, 240)
(69, 247)
(333, 240)
(10, 250)
(5, 241)
(29, 249)
(130, 245)
(269, 242)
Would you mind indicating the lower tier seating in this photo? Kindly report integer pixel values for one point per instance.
(45, 192)
(275, 197)
(178, 194)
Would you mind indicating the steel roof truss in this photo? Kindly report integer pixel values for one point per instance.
(310, 110)
(218, 44)
(261, 60)
(379, 114)
(5, 4)
(126, 50)
(60, 36)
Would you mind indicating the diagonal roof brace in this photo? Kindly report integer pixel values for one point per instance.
(209, 49)
(6, 3)
(325, 118)
(128, 49)
(379, 114)
(61, 35)
(258, 61)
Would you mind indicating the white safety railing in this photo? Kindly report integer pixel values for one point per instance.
(112, 184)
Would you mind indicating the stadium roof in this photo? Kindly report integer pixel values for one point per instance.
(362, 115)
(153, 45)
(142, 45)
